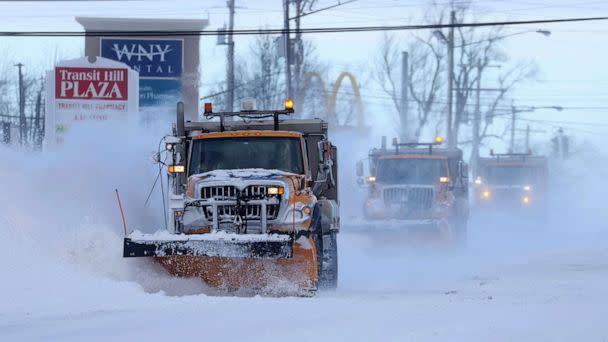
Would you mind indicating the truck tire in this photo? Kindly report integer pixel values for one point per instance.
(327, 258)
(329, 277)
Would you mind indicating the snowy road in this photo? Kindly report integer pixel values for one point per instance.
(509, 285)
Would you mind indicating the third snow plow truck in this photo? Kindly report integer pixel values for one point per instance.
(252, 203)
(512, 181)
(419, 186)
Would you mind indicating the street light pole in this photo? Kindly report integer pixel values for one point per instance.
(287, 46)
(514, 111)
(449, 131)
(405, 128)
(22, 123)
(477, 121)
(230, 69)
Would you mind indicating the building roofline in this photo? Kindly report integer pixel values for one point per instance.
(140, 24)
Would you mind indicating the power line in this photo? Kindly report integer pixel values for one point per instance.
(566, 123)
(283, 31)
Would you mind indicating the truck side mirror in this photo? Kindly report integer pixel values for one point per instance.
(359, 169)
(155, 157)
(464, 169)
(322, 149)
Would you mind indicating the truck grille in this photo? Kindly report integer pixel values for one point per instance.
(253, 212)
(507, 194)
(228, 212)
(229, 192)
(416, 198)
(226, 192)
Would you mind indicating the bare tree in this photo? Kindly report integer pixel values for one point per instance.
(428, 73)
(260, 75)
(261, 79)
(426, 67)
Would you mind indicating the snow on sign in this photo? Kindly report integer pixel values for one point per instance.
(84, 91)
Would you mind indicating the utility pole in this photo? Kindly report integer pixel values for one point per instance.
(37, 132)
(230, 67)
(22, 123)
(298, 50)
(405, 82)
(513, 120)
(514, 111)
(527, 138)
(477, 121)
(450, 132)
(287, 46)
(298, 47)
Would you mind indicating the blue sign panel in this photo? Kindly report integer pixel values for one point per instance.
(153, 93)
(152, 58)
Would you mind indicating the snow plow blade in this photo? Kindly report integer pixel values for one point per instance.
(262, 249)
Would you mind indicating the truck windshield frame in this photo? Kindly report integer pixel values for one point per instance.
(411, 170)
(234, 153)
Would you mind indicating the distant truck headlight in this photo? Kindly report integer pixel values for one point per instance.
(486, 194)
(478, 180)
(527, 188)
(525, 200)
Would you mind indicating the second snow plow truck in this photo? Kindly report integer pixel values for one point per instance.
(419, 186)
(252, 203)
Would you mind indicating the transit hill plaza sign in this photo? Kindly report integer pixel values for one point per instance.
(168, 67)
(91, 83)
(83, 91)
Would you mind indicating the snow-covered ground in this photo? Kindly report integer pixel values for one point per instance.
(63, 277)
(550, 293)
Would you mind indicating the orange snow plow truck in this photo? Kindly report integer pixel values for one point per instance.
(253, 203)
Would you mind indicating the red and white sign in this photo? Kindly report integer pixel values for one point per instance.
(85, 91)
(91, 83)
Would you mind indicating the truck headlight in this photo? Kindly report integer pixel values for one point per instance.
(486, 194)
(527, 188)
(525, 200)
(276, 190)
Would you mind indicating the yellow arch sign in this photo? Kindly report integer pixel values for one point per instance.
(332, 97)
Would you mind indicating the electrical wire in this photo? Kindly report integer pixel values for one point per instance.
(170, 33)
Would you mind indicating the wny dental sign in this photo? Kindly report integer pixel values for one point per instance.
(152, 58)
(91, 83)
(158, 61)
(81, 91)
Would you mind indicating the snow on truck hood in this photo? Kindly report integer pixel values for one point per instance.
(224, 175)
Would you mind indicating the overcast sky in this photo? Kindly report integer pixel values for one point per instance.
(572, 60)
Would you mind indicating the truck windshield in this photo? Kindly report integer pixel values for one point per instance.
(411, 170)
(510, 175)
(271, 153)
